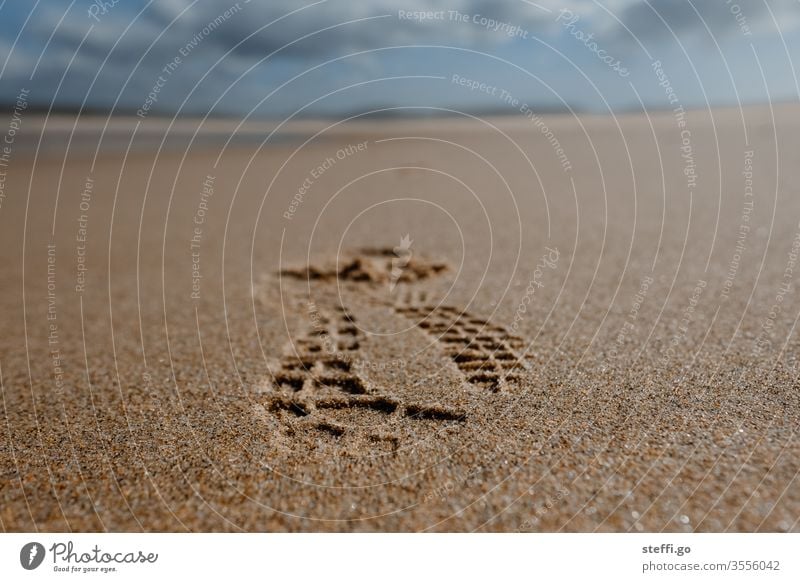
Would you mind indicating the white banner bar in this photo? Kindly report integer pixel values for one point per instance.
(386, 557)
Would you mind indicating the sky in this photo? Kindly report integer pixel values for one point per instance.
(280, 58)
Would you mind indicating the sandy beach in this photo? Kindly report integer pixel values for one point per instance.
(508, 324)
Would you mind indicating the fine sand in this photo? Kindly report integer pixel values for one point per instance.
(403, 325)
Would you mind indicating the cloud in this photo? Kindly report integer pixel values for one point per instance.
(659, 19)
(302, 35)
(339, 27)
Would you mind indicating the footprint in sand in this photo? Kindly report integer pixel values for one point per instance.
(316, 393)
(489, 356)
(371, 265)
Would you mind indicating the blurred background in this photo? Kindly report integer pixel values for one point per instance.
(337, 58)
